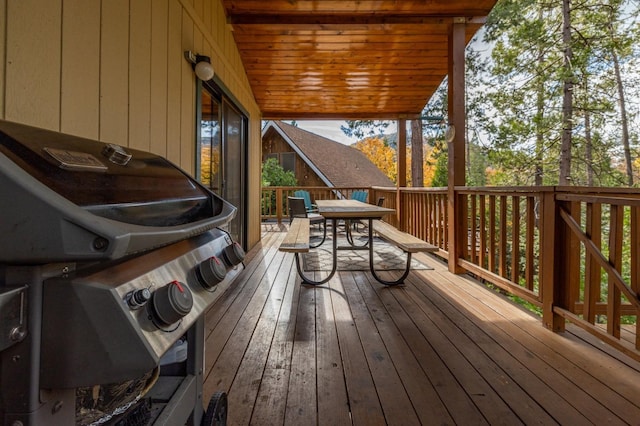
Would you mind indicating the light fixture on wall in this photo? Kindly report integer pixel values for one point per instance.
(201, 65)
(450, 133)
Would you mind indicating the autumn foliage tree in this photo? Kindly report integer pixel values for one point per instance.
(381, 154)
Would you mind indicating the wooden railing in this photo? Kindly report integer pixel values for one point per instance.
(274, 203)
(572, 253)
(594, 264)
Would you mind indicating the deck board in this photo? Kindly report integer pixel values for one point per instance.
(270, 404)
(527, 394)
(420, 389)
(364, 405)
(333, 404)
(564, 380)
(393, 397)
(440, 349)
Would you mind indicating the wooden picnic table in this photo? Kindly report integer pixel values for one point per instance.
(297, 240)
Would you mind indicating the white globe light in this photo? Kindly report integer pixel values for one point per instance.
(204, 70)
(450, 133)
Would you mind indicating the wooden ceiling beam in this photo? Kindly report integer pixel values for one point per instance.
(471, 16)
(346, 115)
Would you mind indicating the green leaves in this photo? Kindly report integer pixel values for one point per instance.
(274, 175)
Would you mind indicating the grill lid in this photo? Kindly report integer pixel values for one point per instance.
(73, 198)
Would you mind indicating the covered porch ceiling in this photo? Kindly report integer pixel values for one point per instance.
(342, 59)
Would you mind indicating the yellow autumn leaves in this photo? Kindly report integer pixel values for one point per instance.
(383, 156)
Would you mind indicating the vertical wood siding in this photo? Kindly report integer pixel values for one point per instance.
(33, 59)
(3, 27)
(140, 74)
(115, 71)
(159, 75)
(80, 85)
(114, 74)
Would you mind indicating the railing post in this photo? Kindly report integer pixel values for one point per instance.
(457, 229)
(456, 148)
(279, 205)
(554, 238)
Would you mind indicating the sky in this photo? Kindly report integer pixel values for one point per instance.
(330, 129)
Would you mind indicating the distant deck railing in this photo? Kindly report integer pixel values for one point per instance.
(572, 253)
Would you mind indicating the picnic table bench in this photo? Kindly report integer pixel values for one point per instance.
(297, 238)
(406, 242)
(297, 241)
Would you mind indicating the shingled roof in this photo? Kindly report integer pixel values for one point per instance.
(336, 164)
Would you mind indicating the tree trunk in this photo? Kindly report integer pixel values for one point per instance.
(623, 110)
(417, 154)
(539, 171)
(588, 147)
(567, 101)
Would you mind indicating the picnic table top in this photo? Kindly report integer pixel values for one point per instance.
(351, 209)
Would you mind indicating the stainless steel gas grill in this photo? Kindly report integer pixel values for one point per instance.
(109, 258)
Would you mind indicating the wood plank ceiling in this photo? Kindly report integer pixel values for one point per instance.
(363, 59)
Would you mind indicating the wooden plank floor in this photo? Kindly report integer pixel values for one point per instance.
(439, 350)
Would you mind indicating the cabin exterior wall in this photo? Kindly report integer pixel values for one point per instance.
(115, 71)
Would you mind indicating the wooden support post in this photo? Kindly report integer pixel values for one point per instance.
(554, 242)
(456, 152)
(401, 181)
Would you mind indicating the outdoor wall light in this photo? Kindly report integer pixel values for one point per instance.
(201, 65)
(450, 133)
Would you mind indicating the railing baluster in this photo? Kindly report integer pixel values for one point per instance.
(515, 239)
(592, 269)
(573, 260)
(502, 252)
(492, 233)
(615, 259)
(530, 243)
(483, 233)
(472, 230)
(635, 263)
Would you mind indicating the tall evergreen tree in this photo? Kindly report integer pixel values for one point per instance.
(557, 72)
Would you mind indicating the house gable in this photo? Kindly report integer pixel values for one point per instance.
(332, 163)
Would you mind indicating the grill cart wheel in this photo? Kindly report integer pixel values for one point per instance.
(216, 414)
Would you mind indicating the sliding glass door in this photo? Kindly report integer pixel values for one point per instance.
(222, 153)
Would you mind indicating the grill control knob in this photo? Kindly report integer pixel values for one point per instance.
(233, 254)
(138, 298)
(171, 302)
(211, 272)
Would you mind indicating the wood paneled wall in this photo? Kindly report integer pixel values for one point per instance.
(114, 70)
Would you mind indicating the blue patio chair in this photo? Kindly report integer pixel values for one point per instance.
(359, 196)
(307, 200)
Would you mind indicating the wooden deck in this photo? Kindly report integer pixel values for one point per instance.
(439, 350)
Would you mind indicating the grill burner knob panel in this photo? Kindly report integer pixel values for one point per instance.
(233, 254)
(138, 298)
(170, 303)
(211, 272)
